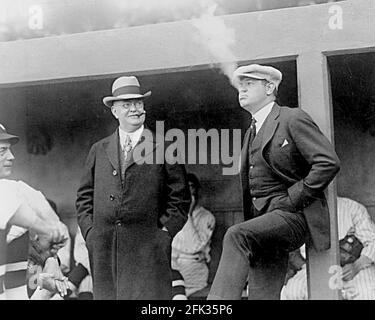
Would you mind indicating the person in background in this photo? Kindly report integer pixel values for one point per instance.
(37, 263)
(358, 277)
(79, 281)
(18, 253)
(48, 281)
(22, 206)
(18, 240)
(178, 286)
(79, 278)
(191, 246)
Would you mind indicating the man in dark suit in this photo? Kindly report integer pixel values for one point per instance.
(121, 197)
(286, 163)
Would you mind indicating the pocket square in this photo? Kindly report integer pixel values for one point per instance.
(285, 143)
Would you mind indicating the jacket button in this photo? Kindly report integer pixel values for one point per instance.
(111, 197)
(114, 172)
(118, 223)
(251, 167)
(254, 198)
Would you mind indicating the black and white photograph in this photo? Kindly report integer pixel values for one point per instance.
(209, 151)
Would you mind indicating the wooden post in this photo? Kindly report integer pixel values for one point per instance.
(315, 98)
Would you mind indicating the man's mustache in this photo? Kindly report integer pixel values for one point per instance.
(138, 114)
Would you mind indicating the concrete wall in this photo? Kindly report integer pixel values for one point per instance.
(258, 36)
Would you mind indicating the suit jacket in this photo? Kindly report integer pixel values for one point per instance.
(303, 158)
(129, 253)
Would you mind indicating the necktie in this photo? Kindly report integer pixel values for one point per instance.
(252, 132)
(127, 147)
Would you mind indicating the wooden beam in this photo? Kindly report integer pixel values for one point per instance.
(173, 46)
(315, 98)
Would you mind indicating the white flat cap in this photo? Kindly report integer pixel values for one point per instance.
(257, 71)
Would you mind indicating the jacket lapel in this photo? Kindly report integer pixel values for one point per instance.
(244, 151)
(146, 142)
(271, 125)
(112, 150)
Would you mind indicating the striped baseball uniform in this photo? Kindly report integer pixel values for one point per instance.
(15, 255)
(353, 218)
(10, 201)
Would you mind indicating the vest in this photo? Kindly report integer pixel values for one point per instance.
(263, 182)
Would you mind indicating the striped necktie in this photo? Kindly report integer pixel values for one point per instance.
(252, 132)
(127, 147)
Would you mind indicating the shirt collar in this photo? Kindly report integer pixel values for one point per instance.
(134, 136)
(261, 115)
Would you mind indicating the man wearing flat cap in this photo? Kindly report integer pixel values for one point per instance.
(286, 163)
(121, 199)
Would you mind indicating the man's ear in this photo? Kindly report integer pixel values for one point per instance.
(114, 112)
(270, 88)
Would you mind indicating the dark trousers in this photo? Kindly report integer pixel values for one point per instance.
(257, 250)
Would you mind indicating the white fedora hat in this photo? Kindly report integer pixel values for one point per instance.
(125, 88)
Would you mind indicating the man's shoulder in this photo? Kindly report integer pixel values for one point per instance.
(294, 115)
(205, 216)
(5, 181)
(14, 184)
(287, 111)
(349, 206)
(104, 140)
(203, 211)
(6, 185)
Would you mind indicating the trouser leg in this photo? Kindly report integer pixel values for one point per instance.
(233, 268)
(266, 277)
(248, 243)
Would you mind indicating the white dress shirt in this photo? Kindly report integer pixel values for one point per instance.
(134, 136)
(261, 115)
